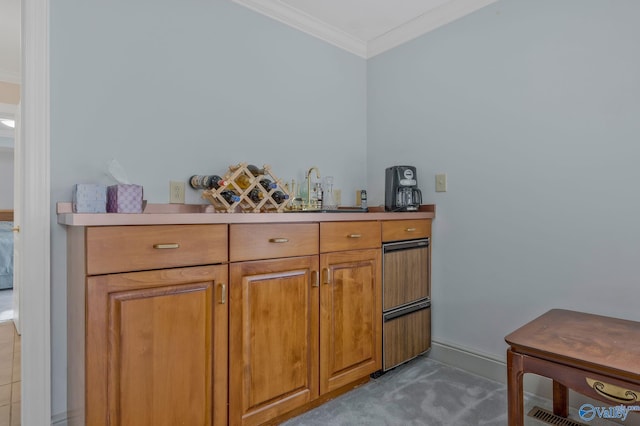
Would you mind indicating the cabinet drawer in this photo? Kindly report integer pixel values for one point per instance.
(339, 236)
(397, 230)
(136, 248)
(270, 241)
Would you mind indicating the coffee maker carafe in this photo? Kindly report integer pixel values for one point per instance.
(401, 189)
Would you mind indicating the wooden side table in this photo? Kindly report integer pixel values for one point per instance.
(594, 355)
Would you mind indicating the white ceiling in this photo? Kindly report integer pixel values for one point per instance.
(365, 27)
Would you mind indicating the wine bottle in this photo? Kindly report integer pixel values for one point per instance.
(279, 197)
(229, 196)
(243, 181)
(267, 184)
(214, 182)
(255, 171)
(206, 182)
(195, 181)
(256, 195)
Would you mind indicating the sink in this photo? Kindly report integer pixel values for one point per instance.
(338, 210)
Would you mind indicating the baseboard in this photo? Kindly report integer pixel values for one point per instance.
(59, 419)
(493, 368)
(469, 360)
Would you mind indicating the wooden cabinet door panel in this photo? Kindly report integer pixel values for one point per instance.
(159, 339)
(350, 317)
(274, 338)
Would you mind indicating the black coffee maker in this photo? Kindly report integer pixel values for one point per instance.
(401, 189)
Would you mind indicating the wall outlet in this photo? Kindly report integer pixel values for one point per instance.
(176, 192)
(441, 182)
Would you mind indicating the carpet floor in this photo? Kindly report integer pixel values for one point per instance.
(427, 392)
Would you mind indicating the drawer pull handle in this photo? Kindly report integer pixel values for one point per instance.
(278, 240)
(612, 392)
(316, 279)
(411, 229)
(355, 235)
(166, 246)
(327, 276)
(223, 294)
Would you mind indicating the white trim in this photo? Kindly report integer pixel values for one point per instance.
(307, 24)
(7, 111)
(7, 133)
(469, 360)
(36, 209)
(9, 77)
(61, 419)
(448, 12)
(493, 368)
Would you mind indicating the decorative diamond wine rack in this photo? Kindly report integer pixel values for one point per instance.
(241, 181)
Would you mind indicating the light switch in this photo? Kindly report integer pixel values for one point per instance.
(441, 182)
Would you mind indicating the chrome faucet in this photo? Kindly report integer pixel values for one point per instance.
(309, 183)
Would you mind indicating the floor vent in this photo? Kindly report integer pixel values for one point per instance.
(548, 417)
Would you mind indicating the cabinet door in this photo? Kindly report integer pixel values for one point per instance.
(157, 347)
(273, 346)
(350, 317)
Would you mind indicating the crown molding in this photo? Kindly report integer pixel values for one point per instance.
(438, 17)
(308, 24)
(448, 12)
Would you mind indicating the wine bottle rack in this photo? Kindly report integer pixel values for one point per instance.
(233, 178)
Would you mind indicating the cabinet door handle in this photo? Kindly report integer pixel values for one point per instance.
(223, 293)
(316, 279)
(411, 229)
(355, 236)
(327, 276)
(278, 240)
(166, 246)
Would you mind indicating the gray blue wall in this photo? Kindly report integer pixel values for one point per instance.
(532, 109)
(172, 89)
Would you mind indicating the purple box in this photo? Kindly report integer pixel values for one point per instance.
(123, 198)
(89, 198)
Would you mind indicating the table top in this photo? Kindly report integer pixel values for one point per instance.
(583, 340)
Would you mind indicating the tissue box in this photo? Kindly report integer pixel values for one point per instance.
(123, 198)
(89, 198)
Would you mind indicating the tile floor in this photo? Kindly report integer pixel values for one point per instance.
(9, 375)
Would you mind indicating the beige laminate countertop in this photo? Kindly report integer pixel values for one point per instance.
(183, 214)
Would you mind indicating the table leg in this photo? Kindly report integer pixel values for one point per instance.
(560, 399)
(515, 393)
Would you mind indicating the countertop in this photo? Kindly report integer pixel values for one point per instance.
(181, 214)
